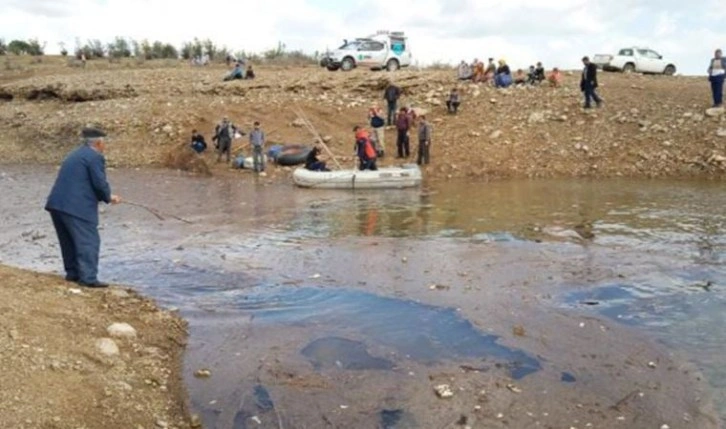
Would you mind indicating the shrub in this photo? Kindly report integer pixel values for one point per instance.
(3, 47)
(18, 47)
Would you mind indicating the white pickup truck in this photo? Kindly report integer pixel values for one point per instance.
(635, 59)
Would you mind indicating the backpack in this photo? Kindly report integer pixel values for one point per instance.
(369, 150)
(377, 122)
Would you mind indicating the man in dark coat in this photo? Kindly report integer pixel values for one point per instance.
(223, 135)
(588, 84)
(73, 205)
(391, 95)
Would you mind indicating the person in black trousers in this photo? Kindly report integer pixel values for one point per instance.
(403, 124)
(391, 95)
(588, 84)
(73, 206)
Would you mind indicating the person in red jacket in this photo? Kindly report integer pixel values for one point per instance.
(364, 149)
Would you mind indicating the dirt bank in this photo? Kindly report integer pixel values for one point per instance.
(63, 369)
(651, 126)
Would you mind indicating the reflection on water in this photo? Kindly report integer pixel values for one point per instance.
(685, 216)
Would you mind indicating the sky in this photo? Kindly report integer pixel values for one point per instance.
(556, 32)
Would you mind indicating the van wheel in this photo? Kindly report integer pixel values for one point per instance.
(392, 65)
(348, 64)
(670, 70)
(629, 68)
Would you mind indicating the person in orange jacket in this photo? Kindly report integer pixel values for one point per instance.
(364, 149)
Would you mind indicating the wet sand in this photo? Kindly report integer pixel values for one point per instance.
(318, 366)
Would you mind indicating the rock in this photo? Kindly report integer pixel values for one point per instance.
(162, 424)
(121, 330)
(107, 347)
(495, 135)
(652, 365)
(327, 139)
(13, 334)
(721, 132)
(119, 293)
(443, 391)
(518, 331)
(665, 427)
(202, 373)
(298, 123)
(667, 143)
(167, 129)
(195, 422)
(536, 118)
(493, 101)
(715, 112)
(474, 134)
(514, 388)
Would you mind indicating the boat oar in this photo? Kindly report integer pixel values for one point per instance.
(155, 212)
(315, 133)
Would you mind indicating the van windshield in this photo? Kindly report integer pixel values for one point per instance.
(349, 46)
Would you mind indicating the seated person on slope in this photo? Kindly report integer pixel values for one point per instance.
(236, 73)
(199, 145)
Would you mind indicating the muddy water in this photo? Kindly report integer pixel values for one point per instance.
(335, 309)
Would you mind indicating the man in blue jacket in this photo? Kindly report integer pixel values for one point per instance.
(73, 206)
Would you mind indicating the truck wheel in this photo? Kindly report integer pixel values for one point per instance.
(670, 70)
(332, 67)
(348, 64)
(392, 65)
(629, 68)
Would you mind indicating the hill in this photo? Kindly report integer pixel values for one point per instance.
(652, 126)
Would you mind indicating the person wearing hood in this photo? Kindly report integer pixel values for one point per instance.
(503, 77)
(364, 149)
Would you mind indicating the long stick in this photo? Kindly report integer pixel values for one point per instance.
(312, 129)
(155, 212)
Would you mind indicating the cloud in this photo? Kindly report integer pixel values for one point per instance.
(523, 31)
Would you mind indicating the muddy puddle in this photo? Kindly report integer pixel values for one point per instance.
(539, 304)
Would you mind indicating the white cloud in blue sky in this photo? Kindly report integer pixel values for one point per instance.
(522, 31)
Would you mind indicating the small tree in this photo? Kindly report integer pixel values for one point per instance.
(63, 50)
(169, 52)
(18, 47)
(187, 50)
(147, 52)
(3, 47)
(136, 48)
(119, 48)
(209, 48)
(36, 48)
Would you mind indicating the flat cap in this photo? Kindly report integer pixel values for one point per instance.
(92, 133)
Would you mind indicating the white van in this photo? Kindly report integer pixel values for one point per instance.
(384, 50)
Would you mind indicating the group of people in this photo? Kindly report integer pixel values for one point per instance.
(239, 72)
(500, 75)
(224, 133)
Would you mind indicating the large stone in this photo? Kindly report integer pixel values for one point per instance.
(121, 330)
(107, 347)
(299, 123)
(715, 112)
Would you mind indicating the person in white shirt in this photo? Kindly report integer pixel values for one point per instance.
(716, 75)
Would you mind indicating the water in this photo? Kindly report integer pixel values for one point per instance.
(325, 271)
(427, 334)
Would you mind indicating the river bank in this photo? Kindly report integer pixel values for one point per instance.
(63, 367)
(651, 126)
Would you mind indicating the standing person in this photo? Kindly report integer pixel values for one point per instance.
(223, 134)
(73, 205)
(257, 140)
(391, 95)
(403, 123)
(716, 75)
(424, 141)
(375, 116)
(588, 84)
(364, 149)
